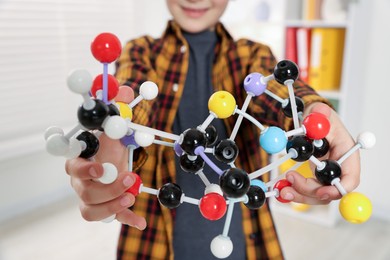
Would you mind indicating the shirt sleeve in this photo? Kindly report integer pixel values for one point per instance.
(265, 108)
(132, 69)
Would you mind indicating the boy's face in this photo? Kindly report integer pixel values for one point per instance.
(196, 15)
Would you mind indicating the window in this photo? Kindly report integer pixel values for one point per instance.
(41, 41)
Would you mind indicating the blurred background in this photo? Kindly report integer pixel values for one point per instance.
(42, 41)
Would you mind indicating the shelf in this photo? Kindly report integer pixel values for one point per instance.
(326, 215)
(274, 33)
(316, 24)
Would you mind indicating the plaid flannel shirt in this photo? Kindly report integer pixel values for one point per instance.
(165, 61)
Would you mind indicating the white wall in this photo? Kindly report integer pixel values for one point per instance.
(375, 104)
(30, 182)
(29, 177)
(37, 179)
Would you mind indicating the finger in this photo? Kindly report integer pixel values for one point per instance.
(304, 186)
(128, 217)
(93, 192)
(321, 108)
(104, 210)
(303, 190)
(348, 181)
(290, 194)
(83, 169)
(112, 151)
(350, 168)
(350, 171)
(328, 193)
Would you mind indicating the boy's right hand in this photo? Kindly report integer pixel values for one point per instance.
(99, 201)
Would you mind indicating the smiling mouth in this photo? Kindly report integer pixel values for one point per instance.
(194, 13)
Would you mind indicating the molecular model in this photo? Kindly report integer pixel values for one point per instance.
(107, 107)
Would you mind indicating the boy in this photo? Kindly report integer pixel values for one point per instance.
(195, 57)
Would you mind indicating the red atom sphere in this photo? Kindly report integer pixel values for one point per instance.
(280, 185)
(317, 126)
(134, 189)
(106, 47)
(112, 84)
(212, 206)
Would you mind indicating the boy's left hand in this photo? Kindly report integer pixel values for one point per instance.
(309, 190)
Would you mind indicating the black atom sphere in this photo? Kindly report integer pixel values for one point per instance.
(211, 135)
(321, 150)
(234, 182)
(286, 70)
(331, 171)
(302, 145)
(191, 139)
(191, 165)
(91, 142)
(226, 151)
(93, 119)
(299, 105)
(169, 195)
(256, 197)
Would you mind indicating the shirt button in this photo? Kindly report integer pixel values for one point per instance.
(253, 236)
(175, 87)
(183, 49)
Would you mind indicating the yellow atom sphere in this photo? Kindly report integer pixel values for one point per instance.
(301, 207)
(124, 110)
(355, 207)
(222, 104)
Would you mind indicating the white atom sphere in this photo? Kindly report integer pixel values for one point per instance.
(367, 140)
(110, 173)
(80, 81)
(115, 127)
(74, 149)
(143, 139)
(57, 144)
(53, 130)
(148, 90)
(213, 188)
(221, 246)
(109, 219)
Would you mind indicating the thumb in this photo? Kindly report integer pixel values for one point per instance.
(321, 108)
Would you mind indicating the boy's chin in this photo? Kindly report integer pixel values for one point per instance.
(196, 28)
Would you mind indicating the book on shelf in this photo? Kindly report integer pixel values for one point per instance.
(303, 52)
(311, 9)
(291, 52)
(298, 45)
(326, 58)
(318, 52)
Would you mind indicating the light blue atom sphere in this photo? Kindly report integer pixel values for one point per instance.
(273, 140)
(259, 183)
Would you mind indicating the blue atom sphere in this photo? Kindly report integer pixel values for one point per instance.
(259, 183)
(273, 140)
